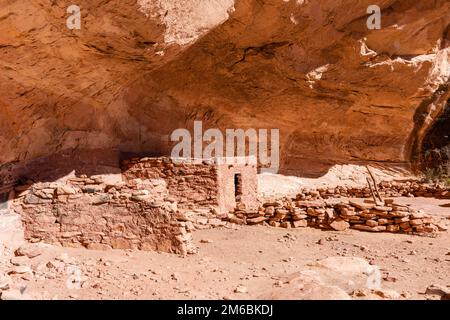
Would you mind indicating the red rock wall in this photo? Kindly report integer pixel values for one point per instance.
(334, 88)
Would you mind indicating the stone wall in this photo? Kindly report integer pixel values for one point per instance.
(340, 215)
(208, 184)
(152, 204)
(96, 213)
(192, 186)
(248, 189)
(332, 208)
(155, 204)
(386, 189)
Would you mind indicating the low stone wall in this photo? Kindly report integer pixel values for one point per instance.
(386, 189)
(99, 214)
(192, 186)
(339, 215)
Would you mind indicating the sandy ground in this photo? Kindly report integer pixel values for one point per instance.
(249, 259)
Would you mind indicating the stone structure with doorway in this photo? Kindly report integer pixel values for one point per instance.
(220, 183)
(237, 183)
(141, 208)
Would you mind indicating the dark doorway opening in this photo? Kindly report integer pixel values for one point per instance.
(435, 153)
(4, 201)
(238, 187)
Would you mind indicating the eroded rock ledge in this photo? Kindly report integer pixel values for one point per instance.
(339, 92)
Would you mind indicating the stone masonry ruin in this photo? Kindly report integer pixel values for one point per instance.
(145, 207)
(220, 184)
(156, 203)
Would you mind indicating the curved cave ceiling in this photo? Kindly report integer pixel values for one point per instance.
(338, 92)
(435, 153)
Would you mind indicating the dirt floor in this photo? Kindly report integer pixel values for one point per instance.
(246, 262)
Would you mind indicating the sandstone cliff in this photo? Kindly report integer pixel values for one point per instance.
(138, 69)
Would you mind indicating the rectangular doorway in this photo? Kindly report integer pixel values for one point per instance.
(238, 187)
(4, 201)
